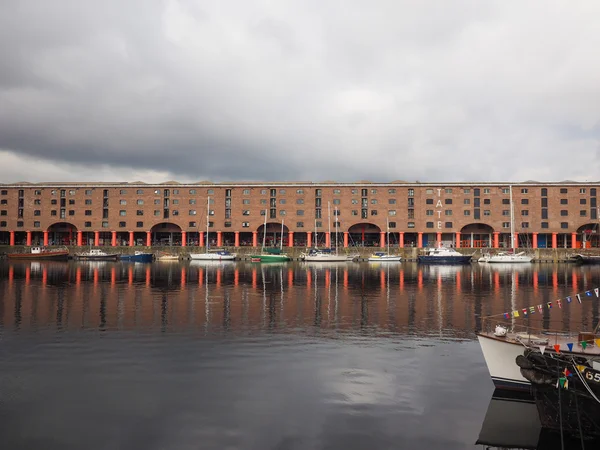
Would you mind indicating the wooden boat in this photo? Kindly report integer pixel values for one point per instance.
(96, 254)
(41, 253)
(167, 257)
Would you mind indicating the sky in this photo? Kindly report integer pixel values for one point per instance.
(310, 90)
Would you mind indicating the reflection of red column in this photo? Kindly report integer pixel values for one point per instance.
(554, 240)
(219, 239)
(46, 240)
(458, 239)
(401, 240)
(290, 277)
(219, 274)
(11, 238)
(201, 243)
(346, 239)
(183, 238)
(574, 276)
(535, 281)
(96, 238)
(95, 275)
(327, 277)
(11, 274)
(401, 280)
(346, 278)
(496, 239)
(382, 279)
(308, 278)
(516, 243)
(496, 282)
(79, 238)
(382, 239)
(148, 272)
(130, 275)
(420, 279)
(78, 276)
(236, 277)
(255, 239)
(420, 239)
(200, 277)
(254, 278)
(290, 238)
(554, 280)
(309, 239)
(113, 239)
(236, 242)
(458, 281)
(44, 276)
(148, 239)
(113, 276)
(438, 239)
(27, 275)
(534, 242)
(183, 277)
(573, 240)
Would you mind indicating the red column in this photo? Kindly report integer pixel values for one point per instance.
(554, 240)
(290, 238)
(96, 238)
(219, 239)
(327, 240)
(458, 239)
(346, 234)
(255, 239)
(201, 243)
(401, 243)
(113, 239)
(496, 239)
(148, 239)
(28, 234)
(183, 238)
(516, 243)
(382, 239)
(308, 239)
(131, 243)
(573, 240)
(46, 240)
(236, 242)
(79, 238)
(420, 239)
(438, 239)
(534, 243)
(12, 238)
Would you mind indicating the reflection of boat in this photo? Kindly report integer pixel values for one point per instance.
(96, 254)
(443, 255)
(566, 391)
(137, 257)
(41, 253)
(211, 263)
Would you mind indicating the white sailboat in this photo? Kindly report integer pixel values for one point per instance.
(509, 257)
(382, 256)
(216, 255)
(327, 254)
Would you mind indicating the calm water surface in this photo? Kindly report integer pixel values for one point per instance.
(249, 356)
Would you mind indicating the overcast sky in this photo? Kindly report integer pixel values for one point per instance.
(309, 90)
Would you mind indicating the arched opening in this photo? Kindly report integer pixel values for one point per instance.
(364, 235)
(589, 235)
(62, 233)
(477, 235)
(272, 234)
(165, 234)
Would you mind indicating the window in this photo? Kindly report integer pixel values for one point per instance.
(3, 213)
(524, 191)
(336, 201)
(392, 212)
(373, 191)
(429, 212)
(282, 212)
(20, 224)
(429, 191)
(467, 201)
(448, 201)
(466, 191)
(3, 223)
(448, 212)
(319, 224)
(53, 202)
(192, 224)
(37, 212)
(263, 201)
(544, 192)
(506, 212)
(210, 191)
(448, 224)
(487, 201)
(506, 201)
(564, 225)
(411, 213)
(157, 191)
(176, 202)
(139, 212)
(52, 192)
(282, 191)
(524, 212)
(429, 225)
(411, 192)
(563, 190)
(175, 212)
(88, 212)
(564, 212)
(299, 224)
(37, 201)
(524, 201)
(373, 212)
(354, 191)
(544, 224)
(466, 212)
(392, 201)
(88, 224)
(429, 201)
(524, 224)
(123, 191)
(373, 201)
(476, 192)
(448, 191)
(592, 192)
(391, 191)
(139, 224)
(336, 192)
(36, 224)
(245, 224)
(487, 190)
(71, 212)
(140, 202)
(583, 213)
(156, 212)
(53, 212)
(122, 202)
(263, 192)
(88, 192)
(3, 202)
(411, 202)
(122, 224)
(300, 191)
(282, 201)
(410, 225)
(544, 203)
(355, 212)
(505, 224)
(122, 212)
(564, 201)
(300, 212)
(582, 201)
(157, 201)
(544, 213)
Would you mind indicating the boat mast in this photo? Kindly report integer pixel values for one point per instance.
(336, 229)
(329, 222)
(264, 232)
(387, 223)
(316, 234)
(207, 220)
(281, 239)
(512, 221)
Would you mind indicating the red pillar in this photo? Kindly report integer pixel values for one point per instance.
(438, 239)
(46, 240)
(554, 240)
(236, 242)
(573, 240)
(327, 240)
(496, 239)
(420, 239)
(458, 239)
(79, 238)
(401, 240)
(28, 234)
(148, 239)
(308, 239)
(219, 239)
(382, 239)
(346, 239)
(255, 239)
(201, 243)
(131, 243)
(535, 243)
(516, 243)
(113, 239)
(96, 238)
(183, 238)
(12, 238)
(290, 238)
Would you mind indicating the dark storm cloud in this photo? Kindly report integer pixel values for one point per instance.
(297, 90)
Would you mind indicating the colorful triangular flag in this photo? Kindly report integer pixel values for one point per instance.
(559, 303)
(515, 313)
(540, 308)
(578, 298)
(570, 345)
(549, 305)
(557, 348)
(542, 349)
(597, 292)
(588, 293)
(506, 315)
(524, 312)
(597, 341)
(532, 310)
(569, 299)
(580, 368)
(583, 344)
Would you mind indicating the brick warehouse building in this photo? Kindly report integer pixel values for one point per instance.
(546, 215)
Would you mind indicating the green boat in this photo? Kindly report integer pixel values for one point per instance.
(270, 254)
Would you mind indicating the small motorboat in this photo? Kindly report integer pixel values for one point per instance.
(96, 254)
(138, 256)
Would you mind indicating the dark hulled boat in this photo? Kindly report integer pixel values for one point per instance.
(443, 255)
(42, 253)
(586, 259)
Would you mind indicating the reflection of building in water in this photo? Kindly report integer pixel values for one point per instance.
(407, 298)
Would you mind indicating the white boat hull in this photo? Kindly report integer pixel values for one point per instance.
(326, 258)
(387, 258)
(500, 359)
(513, 259)
(211, 257)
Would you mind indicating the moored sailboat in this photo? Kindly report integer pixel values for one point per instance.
(383, 256)
(215, 255)
(270, 255)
